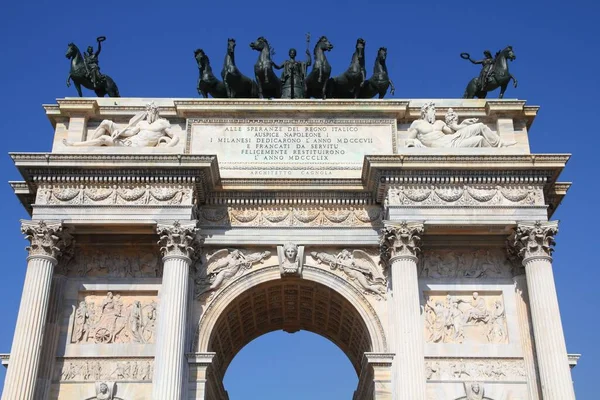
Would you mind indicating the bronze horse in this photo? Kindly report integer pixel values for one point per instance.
(348, 85)
(499, 77)
(80, 76)
(380, 81)
(316, 81)
(269, 85)
(207, 81)
(237, 85)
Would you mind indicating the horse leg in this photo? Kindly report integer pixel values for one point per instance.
(324, 92)
(502, 90)
(78, 87)
(227, 88)
(260, 89)
(266, 75)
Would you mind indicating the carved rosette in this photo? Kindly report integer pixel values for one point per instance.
(179, 239)
(533, 240)
(47, 239)
(400, 240)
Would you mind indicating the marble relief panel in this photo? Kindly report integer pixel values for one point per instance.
(465, 317)
(465, 263)
(111, 369)
(114, 317)
(468, 369)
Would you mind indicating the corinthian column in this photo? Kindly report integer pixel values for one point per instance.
(534, 242)
(47, 240)
(179, 247)
(399, 249)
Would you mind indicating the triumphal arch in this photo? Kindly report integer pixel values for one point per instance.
(166, 234)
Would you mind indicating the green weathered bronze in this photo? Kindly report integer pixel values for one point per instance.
(208, 82)
(494, 74)
(380, 81)
(316, 81)
(237, 85)
(349, 84)
(268, 84)
(86, 72)
(293, 76)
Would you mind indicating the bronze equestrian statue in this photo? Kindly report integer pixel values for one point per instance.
(495, 77)
(269, 85)
(207, 81)
(86, 72)
(380, 81)
(237, 85)
(316, 81)
(349, 84)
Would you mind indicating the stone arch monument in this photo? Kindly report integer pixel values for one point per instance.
(166, 234)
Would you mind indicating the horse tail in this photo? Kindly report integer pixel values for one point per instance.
(111, 87)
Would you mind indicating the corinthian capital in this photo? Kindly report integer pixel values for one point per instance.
(47, 239)
(178, 239)
(533, 239)
(400, 240)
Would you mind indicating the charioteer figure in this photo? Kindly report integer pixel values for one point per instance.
(90, 58)
(293, 76)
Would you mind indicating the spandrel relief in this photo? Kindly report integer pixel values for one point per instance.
(112, 318)
(291, 258)
(102, 369)
(465, 263)
(465, 318)
(114, 261)
(358, 267)
(222, 266)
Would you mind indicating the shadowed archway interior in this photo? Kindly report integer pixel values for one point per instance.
(289, 304)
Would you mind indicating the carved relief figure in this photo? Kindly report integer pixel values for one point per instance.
(358, 266)
(475, 369)
(104, 390)
(455, 263)
(222, 266)
(145, 129)
(123, 262)
(427, 132)
(291, 257)
(456, 320)
(105, 369)
(113, 324)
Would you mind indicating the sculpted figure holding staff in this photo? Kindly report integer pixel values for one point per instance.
(294, 74)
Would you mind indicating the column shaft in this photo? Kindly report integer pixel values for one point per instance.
(555, 375)
(409, 359)
(26, 349)
(170, 361)
(527, 340)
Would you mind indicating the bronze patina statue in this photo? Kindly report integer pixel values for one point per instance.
(86, 72)
(269, 85)
(237, 85)
(380, 81)
(494, 74)
(316, 81)
(348, 85)
(208, 82)
(293, 76)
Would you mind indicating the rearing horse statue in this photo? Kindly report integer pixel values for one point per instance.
(80, 76)
(348, 85)
(237, 85)
(316, 81)
(499, 77)
(208, 82)
(269, 85)
(380, 81)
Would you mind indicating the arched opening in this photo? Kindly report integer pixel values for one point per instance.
(319, 302)
(298, 366)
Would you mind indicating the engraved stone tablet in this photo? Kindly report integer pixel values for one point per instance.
(291, 148)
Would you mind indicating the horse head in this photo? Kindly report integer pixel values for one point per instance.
(259, 44)
(382, 54)
(360, 44)
(324, 44)
(72, 50)
(201, 57)
(509, 53)
(230, 45)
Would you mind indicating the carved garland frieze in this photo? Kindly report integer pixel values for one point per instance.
(445, 369)
(465, 195)
(366, 216)
(458, 318)
(112, 319)
(117, 194)
(111, 369)
(465, 263)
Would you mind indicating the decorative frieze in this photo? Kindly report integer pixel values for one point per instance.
(358, 267)
(112, 318)
(461, 318)
(125, 261)
(470, 369)
(449, 195)
(465, 263)
(223, 265)
(291, 216)
(114, 194)
(113, 369)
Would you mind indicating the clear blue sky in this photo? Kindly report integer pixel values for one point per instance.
(149, 52)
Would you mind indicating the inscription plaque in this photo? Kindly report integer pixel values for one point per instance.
(291, 148)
